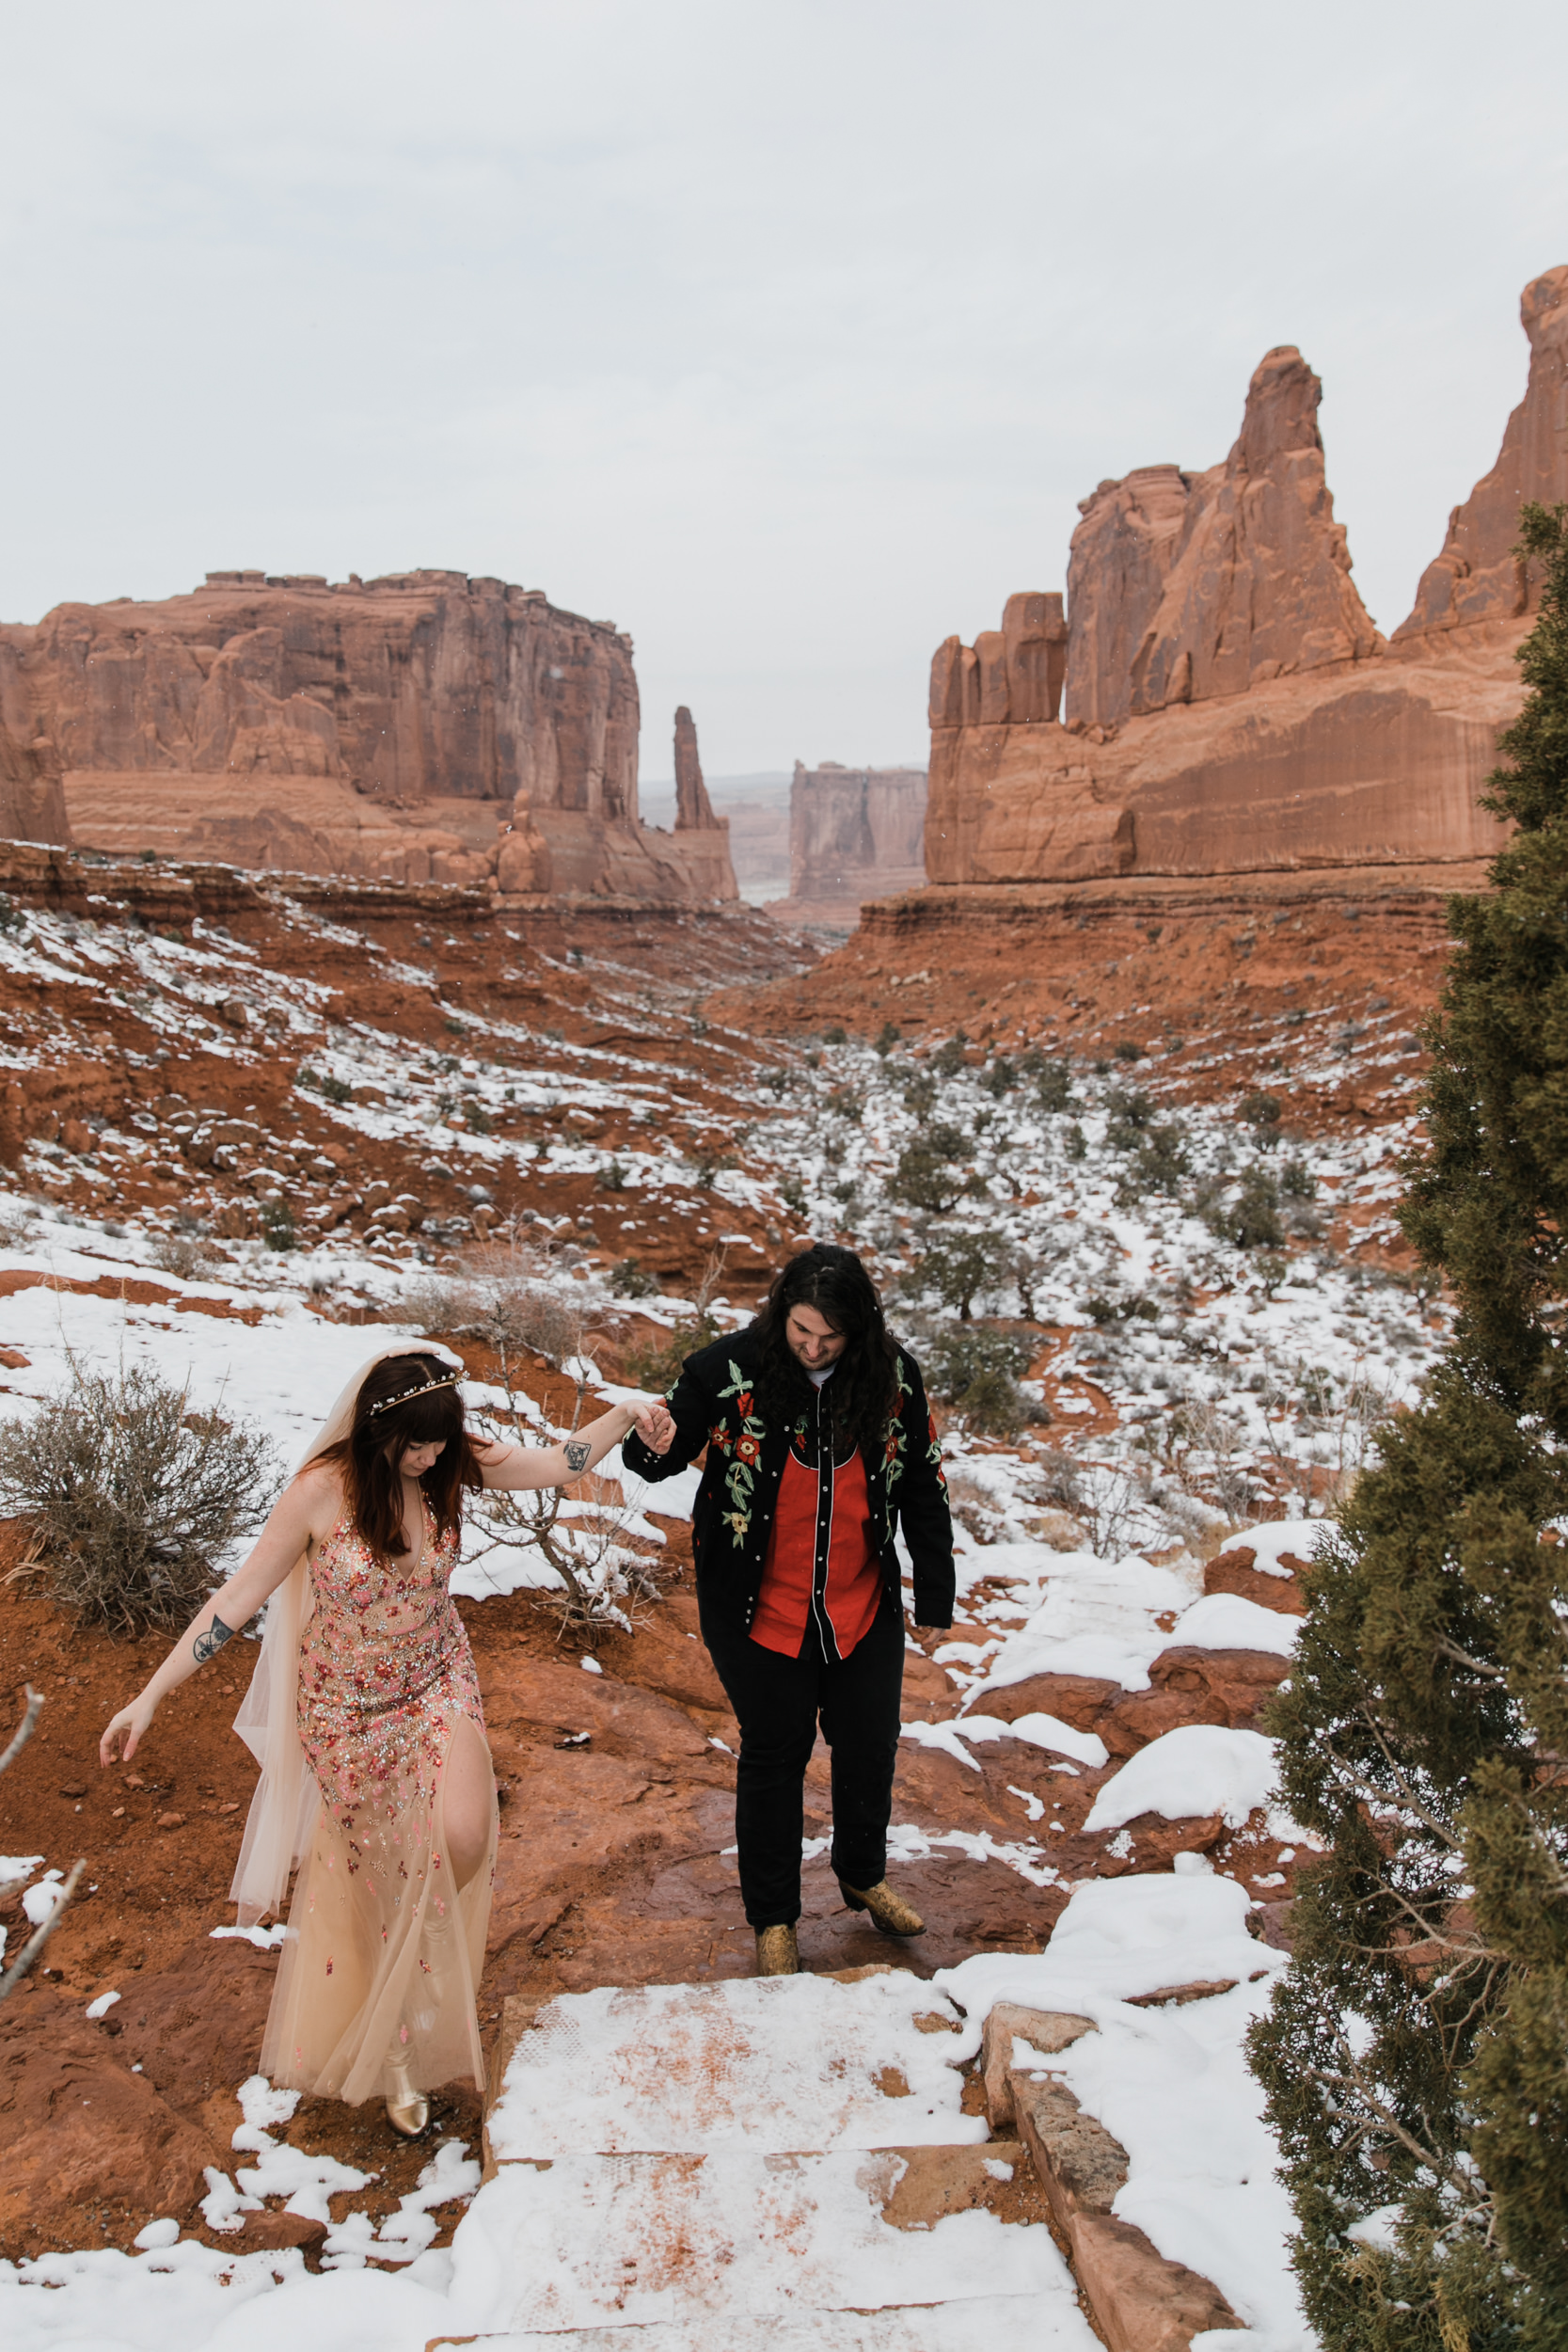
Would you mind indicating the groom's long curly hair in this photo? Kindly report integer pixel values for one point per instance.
(370, 1456)
(865, 1387)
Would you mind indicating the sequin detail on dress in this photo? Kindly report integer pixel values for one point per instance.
(383, 1952)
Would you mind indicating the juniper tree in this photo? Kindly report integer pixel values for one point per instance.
(1415, 2055)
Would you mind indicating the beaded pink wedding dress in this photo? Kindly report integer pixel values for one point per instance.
(384, 1952)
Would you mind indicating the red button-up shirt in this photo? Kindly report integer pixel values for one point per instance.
(821, 1558)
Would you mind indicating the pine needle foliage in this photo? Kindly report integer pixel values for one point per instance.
(1415, 2054)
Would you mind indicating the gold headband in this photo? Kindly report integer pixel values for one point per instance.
(448, 1380)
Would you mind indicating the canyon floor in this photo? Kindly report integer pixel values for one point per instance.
(1124, 1159)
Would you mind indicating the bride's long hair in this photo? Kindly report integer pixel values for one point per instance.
(370, 1454)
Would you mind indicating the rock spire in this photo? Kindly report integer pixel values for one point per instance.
(1476, 576)
(1183, 586)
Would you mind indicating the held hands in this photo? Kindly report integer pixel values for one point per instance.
(126, 1727)
(656, 1427)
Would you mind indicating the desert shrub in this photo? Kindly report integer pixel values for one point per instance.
(1128, 1113)
(1251, 1220)
(1052, 1085)
(995, 1404)
(1261, 1113)
(1076, 1146)
(186, 1255)
(477, 1118)
(920, 1095)
(279, 1229)
(510, 1296)
(611, 1177)
(133, 1497)
(974, 1369)
(631, 1280)
(960, 1266)
(925, 1177)
(949, 1059)
(835, 1036)
(1159, 1162)
(1297, 1181)
(887, 1038)
(1000, 1078)
(1128, 1049)
(657, 1364)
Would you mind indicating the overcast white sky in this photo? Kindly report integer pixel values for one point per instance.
(786, 336)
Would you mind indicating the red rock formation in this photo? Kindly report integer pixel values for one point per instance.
(1231, 707)
(854, 834)
(706, 838)
(693, 809)
(1182, 586)
(1013, 675)
(388, 728)
(1477, 576)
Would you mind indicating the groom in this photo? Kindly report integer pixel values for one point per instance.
(819, 1443)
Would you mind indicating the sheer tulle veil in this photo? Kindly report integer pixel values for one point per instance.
(283, 1809)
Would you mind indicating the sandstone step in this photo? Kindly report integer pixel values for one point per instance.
(779, 2064)
(847, 2246)
(992, 2324)
(686, 2168)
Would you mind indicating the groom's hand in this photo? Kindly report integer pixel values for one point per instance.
(657, 1428)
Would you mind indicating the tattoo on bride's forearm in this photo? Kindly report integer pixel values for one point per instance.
(577, 1451)
(208, 1644)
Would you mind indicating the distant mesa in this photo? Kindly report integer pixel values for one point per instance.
(425, 726)
(1216, 698)
(855, 833)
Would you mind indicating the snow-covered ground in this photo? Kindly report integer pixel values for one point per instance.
(1194, 1381)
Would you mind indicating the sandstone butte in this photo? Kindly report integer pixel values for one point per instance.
(1229, 706)
(424, 727)
(854, 834)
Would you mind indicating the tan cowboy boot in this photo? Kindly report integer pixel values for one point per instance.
(889, 1911)
(778, 1954)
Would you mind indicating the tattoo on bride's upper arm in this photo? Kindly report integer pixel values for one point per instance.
(577, 1451)
(208, 1644)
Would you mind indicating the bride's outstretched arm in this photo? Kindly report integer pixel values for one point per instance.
(518, 1465)
(284, 1537)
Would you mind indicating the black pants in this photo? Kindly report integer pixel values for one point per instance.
(776, 1703)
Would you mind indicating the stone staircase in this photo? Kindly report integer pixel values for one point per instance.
(799, 2163)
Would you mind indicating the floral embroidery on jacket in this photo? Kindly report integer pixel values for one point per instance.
(740, 1477)
(896, 1437)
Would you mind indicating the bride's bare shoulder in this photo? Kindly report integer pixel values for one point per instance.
(320, 1487)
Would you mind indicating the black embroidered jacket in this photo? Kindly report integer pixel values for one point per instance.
(715, 1404)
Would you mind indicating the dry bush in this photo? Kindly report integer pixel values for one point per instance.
(513, 1296)
(133, 1496)
(16, 1224)
(187, 1256)
(581, 1536)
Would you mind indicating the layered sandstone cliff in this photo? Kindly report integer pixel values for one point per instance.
(854, 834)
(425, 726)
(1230, 706)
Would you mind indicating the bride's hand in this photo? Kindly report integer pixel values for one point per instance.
(127, 1727)
(655, 1428)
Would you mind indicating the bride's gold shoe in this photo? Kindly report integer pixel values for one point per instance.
(407, 2110)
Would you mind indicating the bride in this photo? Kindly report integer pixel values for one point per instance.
(364, 1715)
